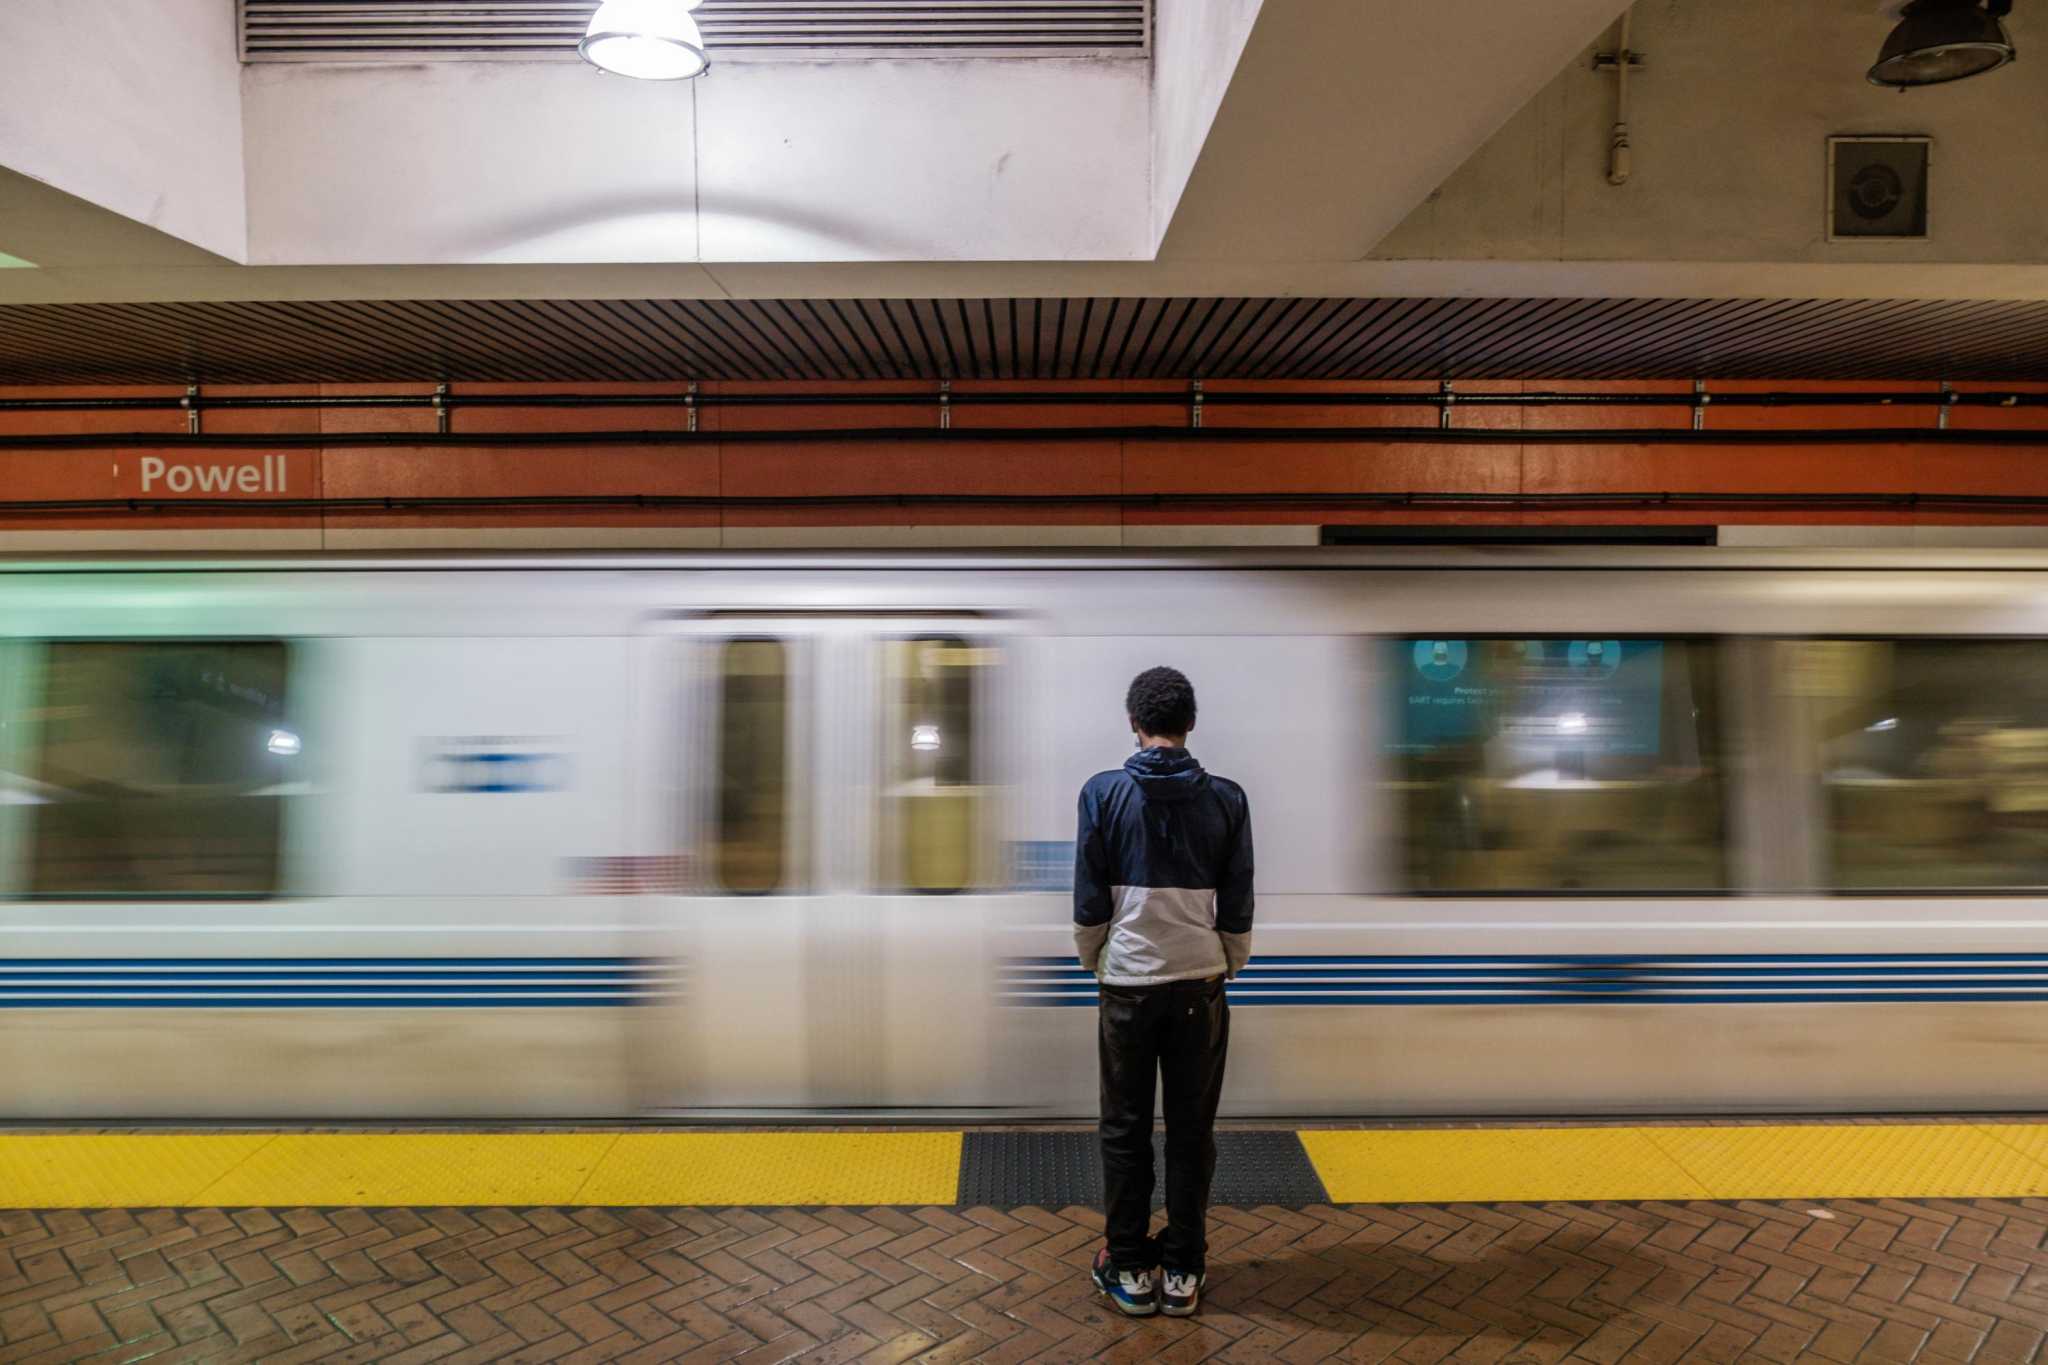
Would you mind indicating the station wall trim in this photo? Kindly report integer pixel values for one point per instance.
(998, 462)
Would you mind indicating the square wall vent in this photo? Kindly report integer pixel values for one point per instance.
(1877, 187)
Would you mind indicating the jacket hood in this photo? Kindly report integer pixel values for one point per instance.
(1166, 774)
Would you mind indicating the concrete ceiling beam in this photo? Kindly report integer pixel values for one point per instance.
(968, 280)
(1341, 118)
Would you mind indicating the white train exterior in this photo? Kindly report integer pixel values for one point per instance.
(496, 791)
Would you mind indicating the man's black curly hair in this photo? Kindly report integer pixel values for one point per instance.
(1162, 702)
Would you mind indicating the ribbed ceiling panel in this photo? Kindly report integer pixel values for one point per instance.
(528, 30)
(1227, 338)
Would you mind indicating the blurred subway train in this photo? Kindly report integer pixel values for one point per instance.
(1537, 831)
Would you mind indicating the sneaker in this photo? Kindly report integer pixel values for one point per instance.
(1129, 1290)
(1183, 1292)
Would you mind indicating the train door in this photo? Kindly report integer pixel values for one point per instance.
(837, 830)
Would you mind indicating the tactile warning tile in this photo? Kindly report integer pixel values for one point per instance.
(1477, 1166)
(777, 1168)
(1056, 1169)
(113, 1171)
(1862, 1161)
(2028, 1139)
(1049, 1170)
(1260, 1166)
(324, 1170)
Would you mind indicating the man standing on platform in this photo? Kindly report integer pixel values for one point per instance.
(1163, 917)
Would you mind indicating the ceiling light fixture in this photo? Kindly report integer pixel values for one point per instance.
(1944, 40)
(649, 40)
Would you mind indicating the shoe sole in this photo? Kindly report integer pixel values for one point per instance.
(1173, 1312)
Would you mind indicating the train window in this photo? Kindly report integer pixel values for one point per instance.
(1555, 765)
(1932, 757)
(935, 799)
(159, 768)
(750, 843)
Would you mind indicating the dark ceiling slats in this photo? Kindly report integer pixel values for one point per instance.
(526, 30)
(534, 340)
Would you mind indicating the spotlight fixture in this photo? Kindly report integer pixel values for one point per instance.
(1944, 40)
(649, 40)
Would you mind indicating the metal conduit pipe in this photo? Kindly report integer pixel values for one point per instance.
(984, 436)
(955, 398)
(1310, 501)
(1618, 160)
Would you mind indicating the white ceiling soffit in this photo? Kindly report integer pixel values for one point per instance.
(537, 30)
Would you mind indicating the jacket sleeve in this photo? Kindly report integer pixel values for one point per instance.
(1234, 897)
(1092, 905)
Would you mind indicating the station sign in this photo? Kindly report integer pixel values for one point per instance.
(213, 474)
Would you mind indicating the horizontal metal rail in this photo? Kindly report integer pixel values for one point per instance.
(983, 436)
(1333, 500)
(1210, 398)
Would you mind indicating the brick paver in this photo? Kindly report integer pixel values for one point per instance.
(1841, 1281)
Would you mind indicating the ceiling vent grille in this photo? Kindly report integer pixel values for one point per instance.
(530, 30)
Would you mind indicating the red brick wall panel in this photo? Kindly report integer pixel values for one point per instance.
(90, 421)
(1721, 417)
(2014, 471)
(973, 415)
(1254, 466)
(1319, 415)
(419, 421)
(1970, 418)
(1719, 469)
(303, 421)
(1634, 417)
(919, 408)
(883, 468)
(1248, 466)
(452, 472)
(470, 421)
(1309, 514)
(1489, 416)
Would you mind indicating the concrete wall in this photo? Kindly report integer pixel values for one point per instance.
(134, 106)
(468, 161)
(1195, 48)
(827, 161)
(1729, 122)
(1341, 117)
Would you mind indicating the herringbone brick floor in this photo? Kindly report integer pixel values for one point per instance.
(1837, 1281)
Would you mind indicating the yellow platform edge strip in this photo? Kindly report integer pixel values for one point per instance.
(625, 1169)
(1765, 1161)
(72, 1171)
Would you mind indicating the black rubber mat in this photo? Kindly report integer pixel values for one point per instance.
(1004, 1170)
(1265, 1166)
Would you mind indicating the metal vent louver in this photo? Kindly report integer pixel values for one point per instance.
(601, 340)
(529, 30)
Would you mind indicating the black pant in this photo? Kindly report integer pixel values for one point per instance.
(1178, 1031)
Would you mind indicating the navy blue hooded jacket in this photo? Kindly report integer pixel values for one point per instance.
(1162, 872)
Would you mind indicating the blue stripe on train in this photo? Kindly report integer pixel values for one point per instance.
(1606, 979)
(315, 1002)
(181, 963)
(334, 983)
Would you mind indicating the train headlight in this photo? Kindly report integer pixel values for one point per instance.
(282, 743)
